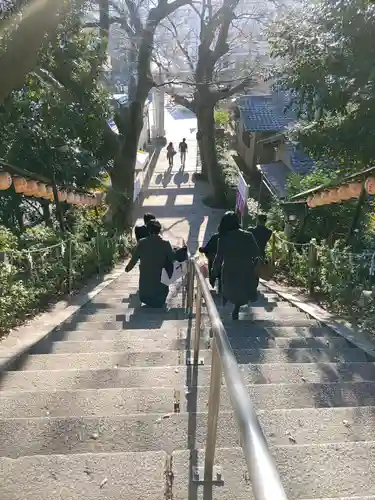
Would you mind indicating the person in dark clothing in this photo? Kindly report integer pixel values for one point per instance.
(210, 249)
(143, 231)
(170, 154)
(183, 150)
(154, 254)
(262, 234)
(235, 259)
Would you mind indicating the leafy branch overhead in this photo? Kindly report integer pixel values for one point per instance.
(326, 52)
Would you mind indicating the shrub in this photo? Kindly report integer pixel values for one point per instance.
(39, 237)
(8, 241)
(229, 173)
(44, 266)
(221, 117)
(339, 276)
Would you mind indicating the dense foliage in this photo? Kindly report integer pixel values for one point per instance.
(40, 265)
(330, 222)
(52, 126)
(327, 56)
(338, 272)
(54, 123)
(338, 276)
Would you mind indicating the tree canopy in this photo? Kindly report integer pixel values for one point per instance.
(326, 59)
(53, 124)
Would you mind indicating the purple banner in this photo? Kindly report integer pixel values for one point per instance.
(240, 203)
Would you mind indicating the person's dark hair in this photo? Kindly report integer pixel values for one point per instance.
(154, 227)
(170, 144)
(229, 222)
(148, 217)
(262, 219)
(183, 140)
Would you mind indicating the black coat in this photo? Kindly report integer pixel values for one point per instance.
(154, 254)
(262, 235)
(141, 232)
(210, 250)
(236, 255)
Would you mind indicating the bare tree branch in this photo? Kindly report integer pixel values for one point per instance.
(179, 44)
(135, 19)
(182, 101)
(225, 94)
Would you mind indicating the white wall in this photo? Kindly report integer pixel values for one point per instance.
(283, 153)
(157, 113)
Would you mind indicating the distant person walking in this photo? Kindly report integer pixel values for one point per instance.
(183, 147)
(170, 154)
(143, 231)
(235, 259)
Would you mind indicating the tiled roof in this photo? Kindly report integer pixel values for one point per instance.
(266, 113)
(276, 175)
(301, 163)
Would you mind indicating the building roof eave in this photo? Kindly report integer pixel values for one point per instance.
(274, 138)
(344, 180)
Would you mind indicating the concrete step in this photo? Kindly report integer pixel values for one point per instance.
(123, 476)
(307, 329)
(278, 316)
(109, 300)
(153, 329)
(153, 432)
(170, 341)
(331, 470)
(238, 342)
(124, 401)
(325, 472)
(102, 360)
(129, 342)
(127, 315)
(175, 376)
(130, 322)
(153, 334)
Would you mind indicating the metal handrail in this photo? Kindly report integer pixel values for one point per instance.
(264, 477)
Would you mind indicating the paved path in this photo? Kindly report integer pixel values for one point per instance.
(173, 196)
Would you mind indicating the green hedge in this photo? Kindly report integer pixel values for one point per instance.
(40, 267)
(339, 276)
(229, 173)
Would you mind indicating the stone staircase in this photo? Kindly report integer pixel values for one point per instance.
(109, 408)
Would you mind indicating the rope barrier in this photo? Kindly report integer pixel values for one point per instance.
(332, 250)
(291, 243)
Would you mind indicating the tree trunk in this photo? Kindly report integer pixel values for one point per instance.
(201, 154)
(207, 146)
(122, 174)
(46, 212)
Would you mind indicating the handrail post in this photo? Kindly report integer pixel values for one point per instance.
(198, 315)
(190, 292)
(312, 265)
(273, 249)
(213, 412)
(185, 288)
